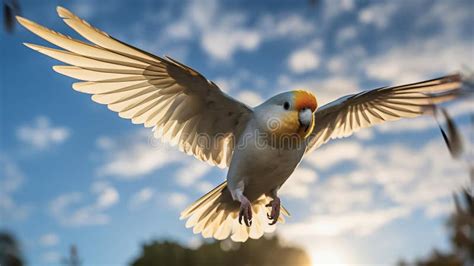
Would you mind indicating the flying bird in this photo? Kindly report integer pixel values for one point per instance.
(261, 146)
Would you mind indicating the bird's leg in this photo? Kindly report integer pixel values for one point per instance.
(245, 211)
(275, 205)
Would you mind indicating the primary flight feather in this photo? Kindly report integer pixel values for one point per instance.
(261, 146)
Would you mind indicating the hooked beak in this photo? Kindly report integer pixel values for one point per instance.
(305, 118)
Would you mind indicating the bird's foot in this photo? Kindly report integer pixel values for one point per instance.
(275, 213)
(245, 212)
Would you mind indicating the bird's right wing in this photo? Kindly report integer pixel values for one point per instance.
(182, 105)
(351, 113)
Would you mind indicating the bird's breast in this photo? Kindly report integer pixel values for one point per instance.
(262, 167)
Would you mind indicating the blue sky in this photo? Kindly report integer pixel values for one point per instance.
(73, 172)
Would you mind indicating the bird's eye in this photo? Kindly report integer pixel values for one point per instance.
(286, 105)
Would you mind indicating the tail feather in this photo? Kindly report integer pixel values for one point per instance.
(207, 197)
(216, 215)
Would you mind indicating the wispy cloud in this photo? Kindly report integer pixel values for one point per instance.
(298, 184)
(49, 240)
(304, 60)
(51, 257)
(330, 155)
(72, 209)
(141, 197)
(41, 134)
(11, 180)
(221, 32)
(137, 155)
(386, 183)
(250, 98)
(177, 200)
(351, 222)
(191, 172)
(379, 14)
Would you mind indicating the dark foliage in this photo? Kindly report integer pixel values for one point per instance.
(9, 250)
(261, 252)
(10, 10)
(461, 227)
(73, 258)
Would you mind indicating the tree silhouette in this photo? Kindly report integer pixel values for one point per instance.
(10, 254)
(461, 231)
(261, 252)
(73, 259)
(11, 8)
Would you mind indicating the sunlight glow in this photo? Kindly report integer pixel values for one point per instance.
(329, 256)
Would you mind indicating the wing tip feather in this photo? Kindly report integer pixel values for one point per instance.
(64, 12)
(23, 21)
(31, 46)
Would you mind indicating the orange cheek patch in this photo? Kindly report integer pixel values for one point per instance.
(305, 99)
(287, 124)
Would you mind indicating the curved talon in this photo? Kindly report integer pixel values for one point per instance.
(275, 213)
(245, 213)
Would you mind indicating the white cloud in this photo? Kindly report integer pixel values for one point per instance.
(223, 44)
(204, 187)
(84, 9)
(41, 134)
(419, 59)
(70, 209)
(241, 79)
(11, 180)
(220, 36)
(194, 242)
(222, 33)
(51, 257)
(191, 172)
(141, 197)
(285, 26)
(337, 195)
(298, 183)
(416, 59)
(378, 14)
(333, 153)
(177, 200)
(346, 34)
(332, 9)
(386, 182)
(250, 98)
(303, 60)
(105, 143)
(107, 195)
(347, 61)
(365, 134)
(48, 240)
(351, 222)
(138, 155)
(408, 125)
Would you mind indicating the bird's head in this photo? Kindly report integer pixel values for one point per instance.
(289, 113)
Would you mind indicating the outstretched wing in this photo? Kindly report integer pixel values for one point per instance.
(183, 106)
(349, 114)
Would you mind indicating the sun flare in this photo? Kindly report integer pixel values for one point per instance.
(329, 256)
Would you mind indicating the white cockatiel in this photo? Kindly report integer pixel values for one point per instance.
(261, 146)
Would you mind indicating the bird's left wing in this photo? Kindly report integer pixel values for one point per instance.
(183, 106)
(351, 113)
